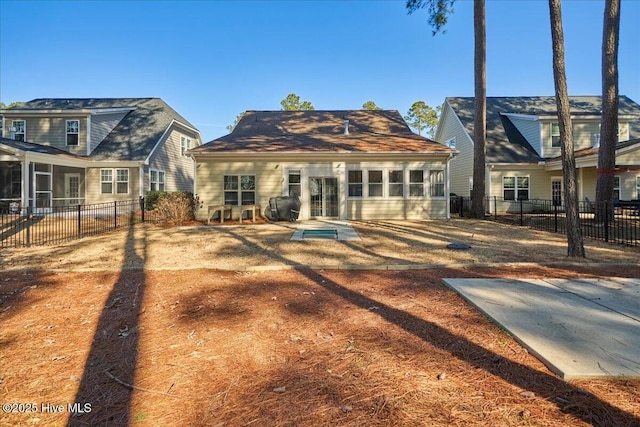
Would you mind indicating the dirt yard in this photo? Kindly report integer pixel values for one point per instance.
(187, 327)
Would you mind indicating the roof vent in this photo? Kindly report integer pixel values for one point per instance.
(346, 127)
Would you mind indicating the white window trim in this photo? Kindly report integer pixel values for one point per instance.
(117, 181)
(158, 172)
(104, 182)
(444, 184)
(240, 190)
(114, 180)
(67, 133)
(361, 183)
(24, 130)
(515, 188)
(637, 187)
(365, 191)
(425, 173)
(185, 145)
(552, 135)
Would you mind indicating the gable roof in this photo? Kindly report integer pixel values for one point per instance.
(505, 144)
(317, 131)
(133, 138)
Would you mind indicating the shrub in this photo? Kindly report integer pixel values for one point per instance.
(175, 208)
(152, 198)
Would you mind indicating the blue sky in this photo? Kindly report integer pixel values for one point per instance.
(210, 60)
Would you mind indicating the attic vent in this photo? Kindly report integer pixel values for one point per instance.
(346, 127)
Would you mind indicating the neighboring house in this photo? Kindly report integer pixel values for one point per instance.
(57, 152)
(523, 147)
(342, 164)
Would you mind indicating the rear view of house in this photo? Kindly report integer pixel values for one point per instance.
(524, 147)
(57, 152)
(341, 164)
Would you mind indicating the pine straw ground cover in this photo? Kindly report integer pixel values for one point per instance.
(282, 348)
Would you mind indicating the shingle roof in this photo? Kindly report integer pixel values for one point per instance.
(37, 148)
(137, 133)
(505, 144)
(382, 131)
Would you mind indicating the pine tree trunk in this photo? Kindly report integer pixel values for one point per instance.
(609, 120)
(575, 244)
(480, 122)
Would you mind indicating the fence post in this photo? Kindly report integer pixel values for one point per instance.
(115, 214)
(460, 206)
(521, 213)
(79, 223)
(29, 225)
(606, 221)
(142, 209)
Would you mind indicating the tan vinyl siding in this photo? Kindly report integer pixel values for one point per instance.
(539, 181)
(461, 165)
(52, 131)
(631, 158)
(396, 209)
(101, 125)
(93, 188)
(211, 174)
(583, 132)
(167, 157)
(588, 179)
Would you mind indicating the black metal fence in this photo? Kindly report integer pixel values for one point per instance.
(45, 226)
(621, 225)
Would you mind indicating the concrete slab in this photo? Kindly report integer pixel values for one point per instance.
(344, 229)
(587, 328)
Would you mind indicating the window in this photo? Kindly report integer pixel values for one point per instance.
(73, 129)
(156, 180)
(185, 144)
(375, 184)
(295, 187)
(396, 183)
(122, 181)
(638, 187)
(20, 127)
(416, 183)
(106, 181)
(515, 187)
(451, 143)
(555, 134)
(616, 187)
(239, 189)
(355, 183)
(436, 179)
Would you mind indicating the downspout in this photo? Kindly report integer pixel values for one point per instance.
(89, 135)
(26, 182)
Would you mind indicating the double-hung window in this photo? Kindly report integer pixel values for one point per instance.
(638, 187)
(396, 183)
(416, 183)
(295, 185)
(355, 183)
(73, 131)
(555, 134)
(515, 187)
(436, 181)
(375, 183)
(106, 181)
(19, 128)
(239, 190)
(616, 187)
(122, 181)
(156, 180)
(185, 144)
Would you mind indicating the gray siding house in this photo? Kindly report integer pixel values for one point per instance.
(58, 152)
(523, 147)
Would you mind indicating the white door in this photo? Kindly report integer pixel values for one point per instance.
(71, 188)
